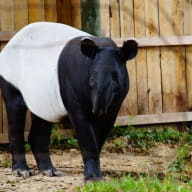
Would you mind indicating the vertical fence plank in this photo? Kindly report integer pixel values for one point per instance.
(104, 14)
(188, 31)
(167, 57)
(64, 11)
(126, 18)
(50, 10)
(36, 10)
(129, 106)
(7, 24)
(153, 58)
(114, 19)
(178, 28)
(20, 14)
(76, 13)
(141, 64)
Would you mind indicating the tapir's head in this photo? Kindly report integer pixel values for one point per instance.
(108, 78)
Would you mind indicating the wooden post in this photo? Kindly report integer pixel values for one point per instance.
(91, 17)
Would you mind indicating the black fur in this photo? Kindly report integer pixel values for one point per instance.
(92, 89)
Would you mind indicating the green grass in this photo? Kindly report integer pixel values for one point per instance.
(183, 154)
(5, 160)
(130, 138)
(142, 184)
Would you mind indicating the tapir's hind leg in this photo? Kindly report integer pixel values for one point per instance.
(16, 112)
(39, 139)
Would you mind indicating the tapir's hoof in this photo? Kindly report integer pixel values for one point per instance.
(23, 173)
(94, 179)
(52, 173)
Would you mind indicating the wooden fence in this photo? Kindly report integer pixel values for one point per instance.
(160, 76)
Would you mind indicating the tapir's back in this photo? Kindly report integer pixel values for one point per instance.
(42, 34)
(29, 62)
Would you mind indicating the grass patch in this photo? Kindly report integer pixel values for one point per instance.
(142, 184)
(184, 155)
(68, 143)
(129, 138)
(5, 160)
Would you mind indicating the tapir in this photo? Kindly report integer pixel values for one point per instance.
(54, 70)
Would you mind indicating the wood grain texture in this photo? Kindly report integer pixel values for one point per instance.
(36, 10)
(105, 17)
(50, 10)
(178, 28)
(188, 31)
(168, 59)
(129, 105)
(159, 41)
(141, 59)
(76, 13)
(20, 14)
(64, 11)
(154, 118)
(114, 19)
(153, 58)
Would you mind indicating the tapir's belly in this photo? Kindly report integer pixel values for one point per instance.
(29, 62)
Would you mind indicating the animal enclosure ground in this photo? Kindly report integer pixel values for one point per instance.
(112, 164)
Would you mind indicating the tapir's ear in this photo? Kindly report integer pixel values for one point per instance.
(129, 49)
(88, 47)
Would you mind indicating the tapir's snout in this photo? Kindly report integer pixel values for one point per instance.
(99, 107)
(96, 107)
(98, 112)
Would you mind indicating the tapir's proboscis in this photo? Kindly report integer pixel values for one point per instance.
(54, 70)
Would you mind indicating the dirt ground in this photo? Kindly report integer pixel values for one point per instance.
(70, 163)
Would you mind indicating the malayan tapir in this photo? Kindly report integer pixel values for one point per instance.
(55, 70)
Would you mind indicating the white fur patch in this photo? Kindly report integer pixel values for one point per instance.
(29, 62)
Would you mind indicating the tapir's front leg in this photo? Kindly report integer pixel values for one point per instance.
(88, 145)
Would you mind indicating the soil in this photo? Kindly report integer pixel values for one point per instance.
(70, 162)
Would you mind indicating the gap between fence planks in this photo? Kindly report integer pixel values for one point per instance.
(143, 41)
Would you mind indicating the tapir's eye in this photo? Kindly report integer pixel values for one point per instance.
(92, 79)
